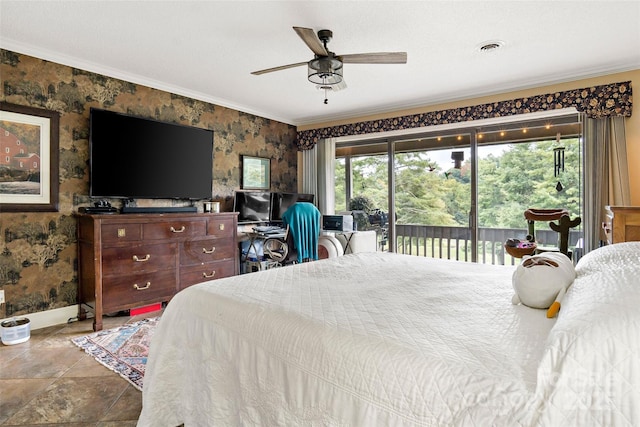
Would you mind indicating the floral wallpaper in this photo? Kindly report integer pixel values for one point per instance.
(599, 101)
(38, 254)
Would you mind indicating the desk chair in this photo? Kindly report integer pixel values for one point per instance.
(303, 222)
(280, 250)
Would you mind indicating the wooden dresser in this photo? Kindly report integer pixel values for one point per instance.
(132, 260)
(622, 224)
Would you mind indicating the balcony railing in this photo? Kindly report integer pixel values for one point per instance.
(455, 242)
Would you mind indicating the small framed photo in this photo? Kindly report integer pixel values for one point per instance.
(256, 173)
(28, 159)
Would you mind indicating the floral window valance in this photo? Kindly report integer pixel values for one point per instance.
(598, 101)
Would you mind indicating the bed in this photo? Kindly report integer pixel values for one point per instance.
(381, 339)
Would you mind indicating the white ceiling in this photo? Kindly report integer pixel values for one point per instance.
(207, 49)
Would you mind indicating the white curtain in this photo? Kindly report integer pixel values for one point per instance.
(606, 174)
(310, 171)
(318, 174)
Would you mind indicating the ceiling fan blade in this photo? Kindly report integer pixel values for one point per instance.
(375, 58)
(282, 67)
(310, 38)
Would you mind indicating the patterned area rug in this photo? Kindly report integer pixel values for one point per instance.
(123, 349)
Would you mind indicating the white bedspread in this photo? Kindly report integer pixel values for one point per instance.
(361, 340)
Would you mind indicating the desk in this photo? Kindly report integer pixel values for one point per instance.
(346, 241)
(253, 237)
(354, 242)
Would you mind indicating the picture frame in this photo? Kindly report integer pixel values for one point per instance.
(256, 173)
(29, 140)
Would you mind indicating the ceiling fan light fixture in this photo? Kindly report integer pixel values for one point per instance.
(325, 70)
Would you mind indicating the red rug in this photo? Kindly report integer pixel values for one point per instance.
(123, 349)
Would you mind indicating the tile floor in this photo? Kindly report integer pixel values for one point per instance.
(49, 381)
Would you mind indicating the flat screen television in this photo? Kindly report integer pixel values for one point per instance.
(135, 158)
(280, 202)
(252, 206)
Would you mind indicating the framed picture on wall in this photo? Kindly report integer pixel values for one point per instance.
(28, 159)
(256, 173)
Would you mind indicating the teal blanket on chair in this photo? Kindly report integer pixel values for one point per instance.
(303, 219)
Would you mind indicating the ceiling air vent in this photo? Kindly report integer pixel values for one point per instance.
(490, 46)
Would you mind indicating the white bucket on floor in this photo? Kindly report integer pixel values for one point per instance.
(15, 331)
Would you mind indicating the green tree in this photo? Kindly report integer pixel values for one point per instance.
(521, 177)
(421, 197)
(369, 175)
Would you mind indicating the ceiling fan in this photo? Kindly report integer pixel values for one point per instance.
(325, 69)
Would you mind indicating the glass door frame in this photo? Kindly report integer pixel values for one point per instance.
(361, 145)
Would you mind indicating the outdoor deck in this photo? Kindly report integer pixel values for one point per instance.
(455, 242)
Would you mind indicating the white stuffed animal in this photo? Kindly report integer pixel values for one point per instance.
(541, 281)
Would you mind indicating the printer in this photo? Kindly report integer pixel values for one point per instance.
(337, 222)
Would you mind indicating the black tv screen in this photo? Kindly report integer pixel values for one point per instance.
(252, 206)
(136, 158)
(282, 201)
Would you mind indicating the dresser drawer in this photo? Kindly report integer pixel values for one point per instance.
(138, 258)
(209, 271)
(174, 229)
(221, 227)
(203, 251)
(138, 288)
(121, 232)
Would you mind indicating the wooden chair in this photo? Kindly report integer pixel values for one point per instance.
(562, 227)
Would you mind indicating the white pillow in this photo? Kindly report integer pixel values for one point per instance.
(590, 371)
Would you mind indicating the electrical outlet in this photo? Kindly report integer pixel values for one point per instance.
(1, 296)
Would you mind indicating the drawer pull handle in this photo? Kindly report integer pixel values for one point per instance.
(221, 227)
(209, 276)
(147, 257)
(141, 288)
(213, 249)
(173, 230)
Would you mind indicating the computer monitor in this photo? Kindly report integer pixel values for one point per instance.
(280, 202)
(252, 206)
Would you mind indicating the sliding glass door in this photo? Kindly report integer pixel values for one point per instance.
(461, 193)
(364, 178)
(433, 189)
(542, 173)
